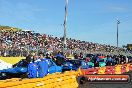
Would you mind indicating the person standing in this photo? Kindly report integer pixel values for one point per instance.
(127, 60)
(109, 61)
(60, 58)
(33, 68)
(42, 66)
(97, 59)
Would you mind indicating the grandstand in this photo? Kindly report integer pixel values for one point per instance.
(15, 42)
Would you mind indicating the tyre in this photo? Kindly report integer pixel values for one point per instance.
(81, 80)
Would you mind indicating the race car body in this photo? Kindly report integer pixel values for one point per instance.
(74, 65)
(20, 70)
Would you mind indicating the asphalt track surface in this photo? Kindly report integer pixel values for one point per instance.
(112, 85)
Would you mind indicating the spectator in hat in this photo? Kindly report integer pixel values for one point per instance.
(109, 60)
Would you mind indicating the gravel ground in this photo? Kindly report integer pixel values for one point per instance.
(102, 85)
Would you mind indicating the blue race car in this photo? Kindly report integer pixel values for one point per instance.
(74, 65)
(20, 70)
(53, 67)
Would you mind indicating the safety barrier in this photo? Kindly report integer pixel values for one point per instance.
(118, 69)
(67, 79)
(56, 80)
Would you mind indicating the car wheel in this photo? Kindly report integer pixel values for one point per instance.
(81, 80)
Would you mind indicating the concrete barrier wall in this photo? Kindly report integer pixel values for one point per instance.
(56, 80)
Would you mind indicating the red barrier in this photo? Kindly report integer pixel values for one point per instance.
(90, 71)
(110, 70)
(130, 67)
(123, 69)
(118, 69)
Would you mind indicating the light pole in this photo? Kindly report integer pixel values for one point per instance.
(118, 22)
(65, 25)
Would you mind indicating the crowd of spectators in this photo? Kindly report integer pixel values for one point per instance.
(110, 60)
(20, 43)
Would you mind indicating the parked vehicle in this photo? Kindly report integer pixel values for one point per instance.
(74, 65)
(90, 64)
(102, 62)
